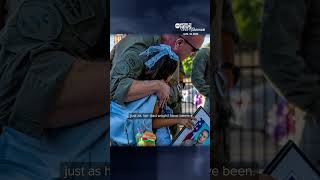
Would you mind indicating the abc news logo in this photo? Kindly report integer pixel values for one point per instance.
(183, 26)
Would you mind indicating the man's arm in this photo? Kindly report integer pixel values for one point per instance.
(282, 32)
(123, 74)
(140, 89)
(124, 85)
(82, 96)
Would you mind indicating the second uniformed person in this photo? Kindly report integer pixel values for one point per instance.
(289, 55)
(200, 76)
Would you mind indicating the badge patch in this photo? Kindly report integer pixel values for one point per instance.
(75, 11)
(39, 20)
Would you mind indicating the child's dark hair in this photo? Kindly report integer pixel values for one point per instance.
(162, 69)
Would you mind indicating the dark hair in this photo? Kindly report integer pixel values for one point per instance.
(205, 130)
(163, 68)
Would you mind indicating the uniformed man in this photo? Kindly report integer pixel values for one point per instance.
(290, 53)
(52, 75)
(200, 75)
(127, 66)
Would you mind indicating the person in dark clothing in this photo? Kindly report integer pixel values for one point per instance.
(289, 56)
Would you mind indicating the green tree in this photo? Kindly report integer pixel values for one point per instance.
(248, 14)
(187, 66)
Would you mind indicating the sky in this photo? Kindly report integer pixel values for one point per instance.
(157, 17)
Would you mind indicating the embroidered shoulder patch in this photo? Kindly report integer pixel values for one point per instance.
(39, 20)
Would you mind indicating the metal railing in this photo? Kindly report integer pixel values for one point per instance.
(189, 99)
(251, 144)
(263, 120)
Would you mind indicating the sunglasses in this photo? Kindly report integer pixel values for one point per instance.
(194, 49)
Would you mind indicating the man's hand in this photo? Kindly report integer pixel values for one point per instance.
(187, 122)
(163, 93)
(141, 88)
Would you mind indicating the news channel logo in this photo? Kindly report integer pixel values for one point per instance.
(188, 28)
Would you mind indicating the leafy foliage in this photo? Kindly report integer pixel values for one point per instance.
(248, 17)
(187, 66)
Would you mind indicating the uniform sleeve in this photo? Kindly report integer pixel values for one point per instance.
(281, 60)
(198, 73)
(123, 73)
(39, 89)
(174, 96)
(228, 21)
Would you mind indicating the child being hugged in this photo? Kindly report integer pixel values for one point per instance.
(160, 64)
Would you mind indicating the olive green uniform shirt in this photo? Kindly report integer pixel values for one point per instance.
(200, 75)
(38, 46)
(127, 65)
